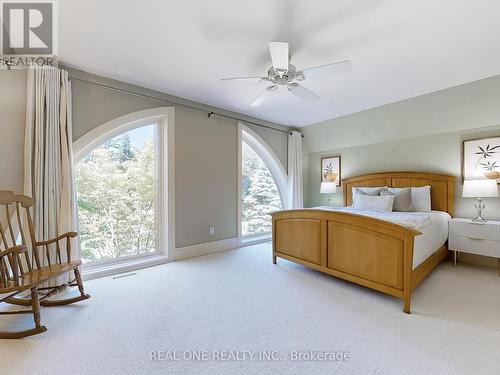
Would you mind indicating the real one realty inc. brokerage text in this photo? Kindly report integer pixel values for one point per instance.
(248, 355)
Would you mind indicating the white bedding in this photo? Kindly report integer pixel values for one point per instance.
(432, 238)
(433, 225)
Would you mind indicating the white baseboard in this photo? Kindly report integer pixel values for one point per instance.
(205, 248)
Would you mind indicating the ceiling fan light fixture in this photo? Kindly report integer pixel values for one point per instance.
(284, 74)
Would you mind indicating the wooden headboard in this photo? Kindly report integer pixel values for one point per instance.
(442, 186)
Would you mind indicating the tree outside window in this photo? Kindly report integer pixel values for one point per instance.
(116, 188)
(260, 193)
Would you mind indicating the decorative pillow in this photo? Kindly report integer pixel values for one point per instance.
(374, 203)
(402, 201)
(421, 198)
(366, 191)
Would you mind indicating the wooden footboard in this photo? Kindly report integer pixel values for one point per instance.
(370, 252)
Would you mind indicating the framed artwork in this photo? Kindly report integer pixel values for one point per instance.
(481, 159)
(330, 169)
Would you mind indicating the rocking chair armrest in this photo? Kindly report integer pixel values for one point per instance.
(53, 240)
(13, 250)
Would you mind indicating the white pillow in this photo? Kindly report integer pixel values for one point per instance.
(421, 198)
(366, 191)
(374, 203)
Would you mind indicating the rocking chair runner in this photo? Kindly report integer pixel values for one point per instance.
(19, 273)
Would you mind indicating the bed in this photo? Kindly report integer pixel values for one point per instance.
(371, 251)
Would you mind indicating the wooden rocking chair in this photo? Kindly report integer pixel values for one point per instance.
(22, 270)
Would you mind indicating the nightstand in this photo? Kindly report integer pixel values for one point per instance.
(469, 237)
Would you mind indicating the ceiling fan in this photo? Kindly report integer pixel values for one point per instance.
(283, 74)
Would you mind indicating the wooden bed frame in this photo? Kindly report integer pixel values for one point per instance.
(367, 251)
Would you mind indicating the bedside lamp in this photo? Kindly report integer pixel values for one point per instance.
(328, 188)
(480, 189)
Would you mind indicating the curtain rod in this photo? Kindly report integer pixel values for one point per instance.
(209, 113)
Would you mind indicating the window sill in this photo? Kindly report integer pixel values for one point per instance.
(94, 271)
(255, 239)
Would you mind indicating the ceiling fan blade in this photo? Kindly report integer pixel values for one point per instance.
(279, 55)
(245, 79)
(302, 93)
(264, 95)
(334, 68)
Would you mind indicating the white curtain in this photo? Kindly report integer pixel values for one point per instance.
(295, 181)
(48, 174)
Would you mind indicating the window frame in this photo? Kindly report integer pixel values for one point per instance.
(266, 153)
(158, 128)
(164, 119)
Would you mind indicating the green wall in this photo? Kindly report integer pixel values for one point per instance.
(419, 134)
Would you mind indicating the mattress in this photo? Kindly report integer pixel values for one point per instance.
(434, 235)
(433, 226)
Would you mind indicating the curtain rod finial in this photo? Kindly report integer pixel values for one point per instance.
(296, 130)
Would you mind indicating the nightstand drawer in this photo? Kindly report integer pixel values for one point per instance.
(471, 230)
(474, 246)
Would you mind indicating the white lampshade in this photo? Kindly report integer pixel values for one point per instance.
(480, 189)
(328, 187)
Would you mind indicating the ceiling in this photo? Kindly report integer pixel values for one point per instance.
(398, 49)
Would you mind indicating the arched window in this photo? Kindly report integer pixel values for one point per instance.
(119, 180)
(117, 197)
(263, 184)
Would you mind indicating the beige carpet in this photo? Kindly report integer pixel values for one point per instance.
(238, 301)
